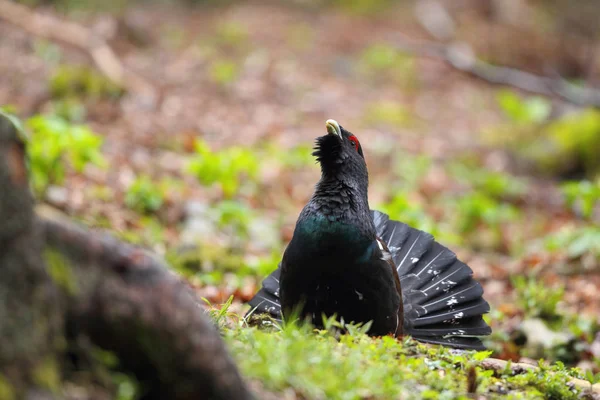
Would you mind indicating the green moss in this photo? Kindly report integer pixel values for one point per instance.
(61, 273)
(563, 147)
(224, 72)
(316, 364)
(387, 113)
(47, 375)
(7, 391)
(384, 63)
(81, 81)
(55, 144)
(231, 34)
(361, 7)
(144, 195)
(230, 167)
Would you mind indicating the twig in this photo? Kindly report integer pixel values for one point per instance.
(461, 56)
(75, 35)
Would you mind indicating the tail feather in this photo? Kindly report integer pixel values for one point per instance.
(266, 301)
(466, 292)
(446, 282)
(435, 261)
(442, 302)
(473, 326)
(407, 258)
(394, 237)
(453, 316)
(271, 282)
(457, 342)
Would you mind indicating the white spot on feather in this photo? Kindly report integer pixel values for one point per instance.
(360, 295)
(452, 301)
(459, 315)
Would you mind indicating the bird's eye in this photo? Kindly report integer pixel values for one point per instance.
(354, 141)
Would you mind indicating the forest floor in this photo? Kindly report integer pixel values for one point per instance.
(214, 177)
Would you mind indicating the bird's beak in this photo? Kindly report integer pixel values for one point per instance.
(333, 128)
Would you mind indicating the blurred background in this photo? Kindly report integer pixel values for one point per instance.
(186, 127)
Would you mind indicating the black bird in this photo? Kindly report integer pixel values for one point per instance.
(357, 263)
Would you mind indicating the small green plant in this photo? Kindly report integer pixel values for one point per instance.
(262, 266)
(401, 208)
(81, 81)
(300, 36)
(582, 195)
(476, 209)
(221, 315)
(532, 110)
(361, 7)
(476, 213)
(126, 386)
(379, 57)
(48, 51)
(231, 34)
(384, 60)
(332, 325)
(575, 242)
(577, 137)
(224, 72)
(149, 232)
(56, 143)
(565, 147)
(296, 157)
(497, 185)
(61, 272)
(174, 36)
(411, 169)
(70, 109)
(536, 298)
(228, 167)
(234, 215)
(144, 195)
(388, 113)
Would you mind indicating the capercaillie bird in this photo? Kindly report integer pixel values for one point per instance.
(354, 262)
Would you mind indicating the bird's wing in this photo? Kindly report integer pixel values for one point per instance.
(387, 257)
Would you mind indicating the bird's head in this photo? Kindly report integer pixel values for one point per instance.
(340, 154)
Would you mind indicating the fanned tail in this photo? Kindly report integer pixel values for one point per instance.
(266, 301)
(443, 304)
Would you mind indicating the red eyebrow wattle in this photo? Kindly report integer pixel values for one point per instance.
(354, 140)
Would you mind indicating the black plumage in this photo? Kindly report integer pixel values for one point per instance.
(357, 263)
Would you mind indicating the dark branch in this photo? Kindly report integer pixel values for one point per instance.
(461, 57)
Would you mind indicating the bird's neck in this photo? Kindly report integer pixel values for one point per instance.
(338, 211)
